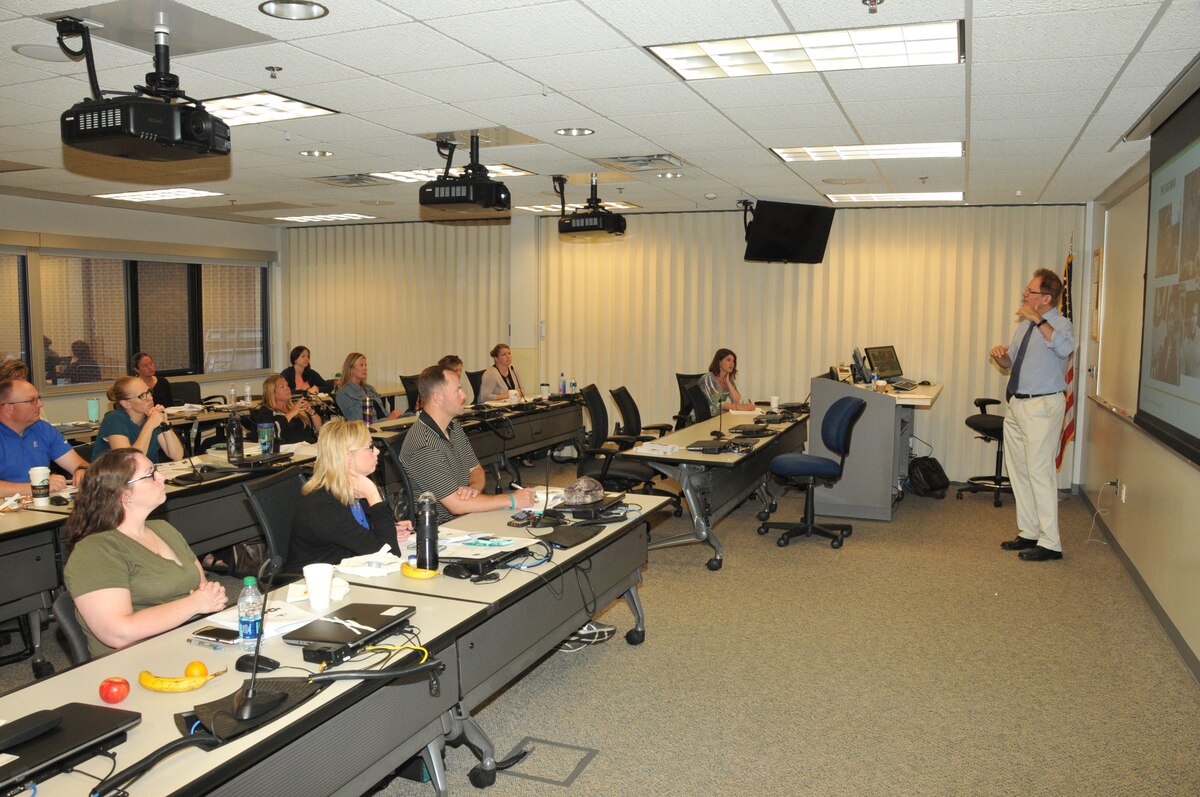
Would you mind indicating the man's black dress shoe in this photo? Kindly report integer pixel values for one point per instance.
(1039, 554)
(1018, 544)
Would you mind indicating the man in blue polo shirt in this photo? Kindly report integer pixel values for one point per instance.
(26, 441)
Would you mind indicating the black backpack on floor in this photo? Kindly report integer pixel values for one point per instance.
(927, 478)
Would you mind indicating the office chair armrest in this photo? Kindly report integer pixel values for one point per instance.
(661, 428)
(984, 403)
(624, 441)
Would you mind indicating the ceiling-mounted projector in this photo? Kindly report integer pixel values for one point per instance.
(592, 220)
(148, 125)
(467, 192)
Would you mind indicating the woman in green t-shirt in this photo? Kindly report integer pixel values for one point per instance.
(131, 578)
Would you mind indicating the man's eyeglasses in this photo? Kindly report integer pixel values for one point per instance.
(150, 475)
(34, 400)
(1041, 293)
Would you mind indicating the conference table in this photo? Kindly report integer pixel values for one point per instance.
(716, 484)
(352, 734)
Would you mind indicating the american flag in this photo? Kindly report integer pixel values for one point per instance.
(1068, 425)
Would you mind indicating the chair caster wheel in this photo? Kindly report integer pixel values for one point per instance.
(42, 669)
(762, 529)
(997, 504)
(763, 515)
(678, 511)
(714, 564)
(773, 507)
(782, 542)
(847, 532)
(481, 778)
(635, 636)
(958, 496)
(835, 543)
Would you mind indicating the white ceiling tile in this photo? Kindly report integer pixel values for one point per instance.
(39, 31)
(937, 110)
(1023, 8)
(1041, 127)
(917, 133)
(545, 131)
(806, 15)
(865, 85)
(344, 15)
(775, 117)
(527, 109)
(1095, 31)
(1019, 147)
(805, 136)
(823, 170)
(196, 83)
(398, 48)
(627, 66)
(551, 29)
(671, 123)
(718, 141)
(753, 92)
(1155, 70)
(428, 119)
(399, 145)
(456, 84)
(436, 9)
(734, 158)
(361, 94)
(665, 21)
(1002, 106)
(333, 128)
(1111, 125)
(1178, 29)
(1014, 163)
(249, 63)
(1044, 74)
(608, 147)
(656, 98)
(1126, 102)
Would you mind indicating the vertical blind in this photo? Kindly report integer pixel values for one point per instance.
(940, 284)
(402, 294)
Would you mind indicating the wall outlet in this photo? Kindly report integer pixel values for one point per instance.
(1122, 488)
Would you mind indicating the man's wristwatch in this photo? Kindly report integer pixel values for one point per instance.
(1041, 323)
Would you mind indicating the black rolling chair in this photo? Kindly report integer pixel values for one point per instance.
(410, 390)
(186, 392)
(989, 428)
(476, 380)
(72, 631)
(684, 416)
(701, 409)
(274, 500)
(406, 505)
(806, 470)
(631, 417)
(601, 463)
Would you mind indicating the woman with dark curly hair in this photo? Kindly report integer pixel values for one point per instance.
(131, 578)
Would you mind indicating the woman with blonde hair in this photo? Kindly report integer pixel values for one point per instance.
(294, 419)
(341, 511)
(356, 399)
(135, 421)
(130, 577)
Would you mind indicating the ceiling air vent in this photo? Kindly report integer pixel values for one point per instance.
(641, 163)
(352, 180)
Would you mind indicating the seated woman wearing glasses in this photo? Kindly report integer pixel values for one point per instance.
(341, 512)
(136, 421)
(295, 421)
(131, 578)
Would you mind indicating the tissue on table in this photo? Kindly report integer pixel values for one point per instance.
(298, 590)
(371, 565)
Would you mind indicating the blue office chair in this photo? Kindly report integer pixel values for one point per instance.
(805, 470)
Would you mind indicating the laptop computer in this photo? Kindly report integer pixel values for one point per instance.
(83, 731)
(707, 446)
(886, 366)
(593, 509)
(258, 460)
(483, 559)
(568, 536)
(385, 620)
(751, 430)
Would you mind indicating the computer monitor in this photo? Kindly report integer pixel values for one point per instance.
(884, 362)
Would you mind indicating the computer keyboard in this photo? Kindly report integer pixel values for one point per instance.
(901, 383)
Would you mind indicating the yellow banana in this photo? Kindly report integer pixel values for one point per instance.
(158, 683)
(416, 572)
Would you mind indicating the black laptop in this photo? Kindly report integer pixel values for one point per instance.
(83, 730)
(382, 619)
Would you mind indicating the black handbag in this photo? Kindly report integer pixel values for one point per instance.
(927, 478)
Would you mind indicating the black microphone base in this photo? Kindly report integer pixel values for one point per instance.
(250, 704)
(717, 435)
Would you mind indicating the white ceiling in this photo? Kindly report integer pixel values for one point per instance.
(1045, 94)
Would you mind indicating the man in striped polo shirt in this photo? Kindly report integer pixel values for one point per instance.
(438, 459)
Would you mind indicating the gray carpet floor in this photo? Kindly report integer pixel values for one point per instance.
(919, 659)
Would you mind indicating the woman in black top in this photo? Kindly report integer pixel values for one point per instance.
(341, 512)
(300, 377)
(143, 366)
(295, 421)
(501, 380)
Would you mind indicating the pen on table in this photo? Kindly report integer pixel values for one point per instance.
(202, 643)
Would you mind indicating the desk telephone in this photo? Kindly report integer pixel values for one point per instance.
(841, 373)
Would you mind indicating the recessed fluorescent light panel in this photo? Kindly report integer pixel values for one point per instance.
(425, 175)
(261, 106)
(928, 196)
(327, 217)
(158, 195)
(826, 51)
(576, 206)
(945, 149)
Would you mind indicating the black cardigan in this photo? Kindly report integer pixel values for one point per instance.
(324, 530)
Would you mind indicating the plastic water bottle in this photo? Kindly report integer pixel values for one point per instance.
(562, 383)
(249, 393)
(232, 394)
(574, 386)
(233, 438)
(427, 532)
(250, 606)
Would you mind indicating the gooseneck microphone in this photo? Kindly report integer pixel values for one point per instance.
(249, 703)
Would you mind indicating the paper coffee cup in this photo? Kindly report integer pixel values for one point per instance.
(319, 580)
(774, 402)
(39, 484)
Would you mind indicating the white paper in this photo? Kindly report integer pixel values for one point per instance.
(298, 590)
(281, 618)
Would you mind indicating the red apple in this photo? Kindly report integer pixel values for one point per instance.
(114, 690)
